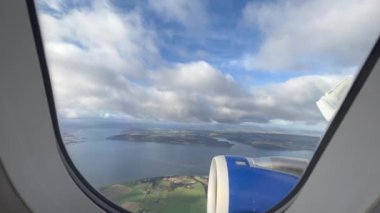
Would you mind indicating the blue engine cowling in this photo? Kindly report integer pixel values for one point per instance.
(237, 184)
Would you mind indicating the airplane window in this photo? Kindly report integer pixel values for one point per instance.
(200, 106)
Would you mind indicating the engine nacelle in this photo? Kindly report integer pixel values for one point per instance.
(239, 184)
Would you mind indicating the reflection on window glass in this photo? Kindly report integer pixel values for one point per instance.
(195, 106)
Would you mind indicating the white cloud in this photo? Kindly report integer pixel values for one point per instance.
(101, 38)
(92, 51)
(107, 64)
(202, 93)
(294, 100)
(303, 35)
(188, 13)
(197, 77)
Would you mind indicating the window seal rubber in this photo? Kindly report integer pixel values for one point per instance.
(108, 205)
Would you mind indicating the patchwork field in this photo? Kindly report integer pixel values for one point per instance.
(186, 194)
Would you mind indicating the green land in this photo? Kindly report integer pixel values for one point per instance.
(186, 194)
(213, 138)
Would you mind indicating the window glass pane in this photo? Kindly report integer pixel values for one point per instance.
(149, 93)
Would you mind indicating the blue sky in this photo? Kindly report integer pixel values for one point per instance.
(203, 61)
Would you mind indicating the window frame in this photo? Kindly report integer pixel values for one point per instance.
(107, 205)
(93, 194)
(353, 92)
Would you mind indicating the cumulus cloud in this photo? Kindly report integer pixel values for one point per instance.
(294, 100)
(188, 13)
(100, 38)
(199, 92)
(93, 51)
(304, 35)
(198, 77)
(104, 63)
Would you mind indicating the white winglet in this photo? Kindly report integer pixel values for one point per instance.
(329, 103)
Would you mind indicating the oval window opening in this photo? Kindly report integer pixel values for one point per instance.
(200, 106)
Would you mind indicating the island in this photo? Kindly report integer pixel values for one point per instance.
(181, 137)
(214, 138)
